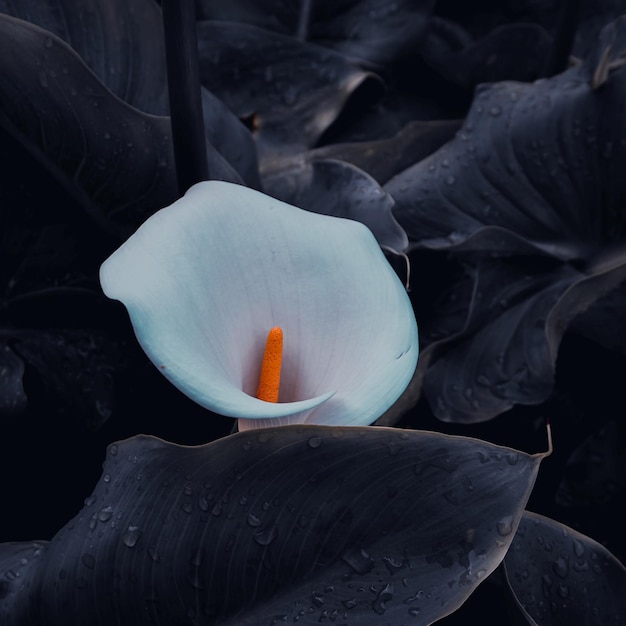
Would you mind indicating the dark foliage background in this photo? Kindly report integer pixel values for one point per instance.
(72, 377)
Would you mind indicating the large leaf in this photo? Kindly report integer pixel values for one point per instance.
(375, 30)
(333, 187)
(290, 91)
(535, 166)
(121, 42)
(384, 158)
(507, 350)
(559, 576)
(535, 175)
(120, 170)
(299, 523)
(494, 58)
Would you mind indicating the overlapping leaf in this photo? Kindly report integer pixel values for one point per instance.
(534, 172)
(290, 91)
(121, 42)
(355, 525)
(374, 30)
(334, 187)
(559, 576)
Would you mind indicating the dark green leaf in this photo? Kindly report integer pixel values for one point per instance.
(300, 523)
(559, 576)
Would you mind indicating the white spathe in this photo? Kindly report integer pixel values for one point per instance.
(206, 278)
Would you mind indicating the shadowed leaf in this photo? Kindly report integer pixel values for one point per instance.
(384, 158)
(337, 188)
(559, 576)
(494, 58)
(375, 30)
(121, 42)
(507, 350)
(12, 397)
(289, 91)
(120, 171)
(300, 523)
(537, 160)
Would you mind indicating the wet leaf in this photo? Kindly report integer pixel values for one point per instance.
(74, 368)
(375, 30)
(337, 188)
(495, 57)
(288, 91)
(119, 172)
(507, 350)
(538, 161)
(357, 525)
(384, 158)
(559, 576)
(121, 42)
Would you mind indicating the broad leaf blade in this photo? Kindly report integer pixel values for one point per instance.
(120, 41)
(333, 187)
(360, 525)
(559, 576)
(506, 352)
(290, 91)
(538, 160)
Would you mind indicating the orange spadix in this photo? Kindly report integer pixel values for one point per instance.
(269, 381)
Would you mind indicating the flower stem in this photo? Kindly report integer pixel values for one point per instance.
(183, 76)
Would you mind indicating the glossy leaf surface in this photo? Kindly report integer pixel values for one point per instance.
(357, 525)
(559, 576)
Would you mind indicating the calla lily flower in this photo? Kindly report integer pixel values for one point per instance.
(206, 278)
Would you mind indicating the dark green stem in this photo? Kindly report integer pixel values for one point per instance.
(183, 75)
(564, 35)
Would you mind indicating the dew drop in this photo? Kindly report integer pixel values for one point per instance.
(385, 594)
(315, 442)
(253, 520)
(153, 553)
(113, 449)
(349, 604)
(359, 560)
(579, 548)
(203, 503)
(131, 536)
(105, 514)
(561, 567)
(505, 526)
(317, 599)
(89, 560)
(266, 536)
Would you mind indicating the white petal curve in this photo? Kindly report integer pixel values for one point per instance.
(206, 278)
